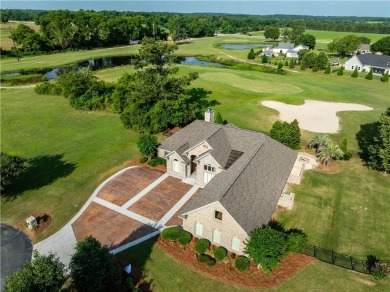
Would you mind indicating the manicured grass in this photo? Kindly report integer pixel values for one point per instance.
(5, 32)
(346, 211)
(328, 36)
(74, 152)
(166, 274)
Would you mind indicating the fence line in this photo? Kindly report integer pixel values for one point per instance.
(338, 259)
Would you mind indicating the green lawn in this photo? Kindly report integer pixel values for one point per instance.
(166, 274)
(73, 151)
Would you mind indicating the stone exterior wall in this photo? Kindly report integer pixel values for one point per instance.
(183, 167)
(228, 227)
(208, 159)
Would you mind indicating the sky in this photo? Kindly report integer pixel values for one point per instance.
(254, 7)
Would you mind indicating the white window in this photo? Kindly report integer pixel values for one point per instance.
(359, 68)
(198, 229)
(236, 244)
(207, 177)
(217, 236)
(353, 66)
(176, 165)
(209, 168)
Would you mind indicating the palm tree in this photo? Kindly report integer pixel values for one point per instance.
(318, 142)
(328, 153)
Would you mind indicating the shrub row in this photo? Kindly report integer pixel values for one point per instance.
(175, 233)
(206, 259)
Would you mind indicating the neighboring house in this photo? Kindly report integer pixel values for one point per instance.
(282, 48)
(364, 62)
(293, 53)
(364, 49)
(243, 174)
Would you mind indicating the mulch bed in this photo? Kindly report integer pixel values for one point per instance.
(226, 272)
(43, 219)
(135, 162)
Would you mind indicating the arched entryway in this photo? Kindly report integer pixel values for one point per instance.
(194, 165)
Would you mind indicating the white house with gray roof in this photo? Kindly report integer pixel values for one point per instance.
(364, 62)
(242, 174)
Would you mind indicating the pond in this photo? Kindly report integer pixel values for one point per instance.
(244, 46)
(107, 62)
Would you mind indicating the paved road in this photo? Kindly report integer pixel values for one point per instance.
(16, 248)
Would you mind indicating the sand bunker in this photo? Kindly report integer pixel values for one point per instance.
(315, 116)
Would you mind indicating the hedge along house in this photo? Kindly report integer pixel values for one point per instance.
(364, 62)
(242, 173)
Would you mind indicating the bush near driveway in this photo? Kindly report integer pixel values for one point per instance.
(170, 233)
(184, 237)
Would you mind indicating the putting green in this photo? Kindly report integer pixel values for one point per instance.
(247, 84)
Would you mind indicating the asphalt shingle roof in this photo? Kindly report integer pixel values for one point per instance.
(382, 61)
(250, 188)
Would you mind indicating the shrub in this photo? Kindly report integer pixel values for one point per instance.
(291, 65)
(347, 156)
(266, 246)
(147, 145)
(295, 241)
(201, 246)
(288, 134)
(184, 237)
(328, 70)
(152, 163)
(171, 233)
(48, 88)
(303, 66)
(340, 72)
(385, 77)
(220, 253)
(315, 68)
(276, 63)
(280, 65)
(380, 270)
(251, 54)
(205, 259)
(286, 63)
(264, 59)
(369, 75)
(161, 161)
(143, 159)
(242, 264)
(355, 73)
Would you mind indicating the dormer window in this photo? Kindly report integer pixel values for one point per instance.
(218, 215)
(209, 168)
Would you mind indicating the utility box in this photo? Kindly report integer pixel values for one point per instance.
(32, 222)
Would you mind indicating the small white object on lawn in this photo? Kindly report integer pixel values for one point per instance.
(315, 116)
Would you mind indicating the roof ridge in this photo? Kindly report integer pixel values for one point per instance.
(228, 187)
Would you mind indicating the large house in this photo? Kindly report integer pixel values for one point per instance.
(242, 174)
(288, 49)
(364, 62)
(293, 53)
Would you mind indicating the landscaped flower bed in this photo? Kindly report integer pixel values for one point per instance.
(226, 271)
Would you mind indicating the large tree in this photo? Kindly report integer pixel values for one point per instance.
(91, 267)
(42, 273)
(288, 134)
(11, 167)
(155, 97)
(27, 38)
(272, 33)
(306, 40)
(379, 150)
(147, 145)
(344, 45)
(382, 45)
(298, 28)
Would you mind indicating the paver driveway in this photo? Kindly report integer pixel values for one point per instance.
(131, 206)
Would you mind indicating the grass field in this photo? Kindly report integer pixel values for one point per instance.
(73, 152)
(5, 32)
(166, 274)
